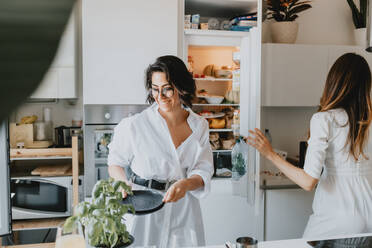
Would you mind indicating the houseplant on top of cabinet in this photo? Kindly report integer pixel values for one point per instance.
(101, 218)
(360, 21)
(284, 12)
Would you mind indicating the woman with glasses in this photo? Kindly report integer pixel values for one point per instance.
(339, 154)
(167, 148)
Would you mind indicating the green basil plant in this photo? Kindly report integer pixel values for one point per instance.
(102, 218)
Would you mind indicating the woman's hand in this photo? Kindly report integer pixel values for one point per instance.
(176, 191)
(260, 142)
(125, 194)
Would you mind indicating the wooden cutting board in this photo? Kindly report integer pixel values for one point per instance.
(53, 170)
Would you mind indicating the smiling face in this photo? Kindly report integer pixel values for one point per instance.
(165, 95)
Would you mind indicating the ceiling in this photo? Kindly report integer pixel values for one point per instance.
(220, 8)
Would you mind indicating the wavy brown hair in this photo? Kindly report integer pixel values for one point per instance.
(348, 86)
(177, 75)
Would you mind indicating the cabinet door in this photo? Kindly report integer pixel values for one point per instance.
(293, 75)
(59, 81)
(291, 207)
(120, 39)
(49, 85)
(336, 51)
(66, 83)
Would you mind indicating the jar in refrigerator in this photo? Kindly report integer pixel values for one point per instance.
(236, 123)
(190, 64)
(236, 92)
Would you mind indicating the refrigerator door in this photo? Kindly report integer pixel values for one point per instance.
(250, 109)
(5, 208)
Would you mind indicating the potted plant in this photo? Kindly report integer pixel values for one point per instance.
(285, 12)
(101, 218)
(360, 21)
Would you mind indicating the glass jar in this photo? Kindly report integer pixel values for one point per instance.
(236, 123)
(190, 64)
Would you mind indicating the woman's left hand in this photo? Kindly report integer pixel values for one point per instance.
(176, 191)
(260, 142)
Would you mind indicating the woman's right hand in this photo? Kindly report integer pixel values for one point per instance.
(125, 194)
(260, 142)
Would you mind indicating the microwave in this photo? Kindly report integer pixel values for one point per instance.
(42, 197)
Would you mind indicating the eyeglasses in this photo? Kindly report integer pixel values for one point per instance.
(166, 92)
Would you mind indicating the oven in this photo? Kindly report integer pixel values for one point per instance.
(42, 197)
(99, 124)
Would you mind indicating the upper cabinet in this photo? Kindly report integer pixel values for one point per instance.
(119, 40)
(60, 79)
(294, 75)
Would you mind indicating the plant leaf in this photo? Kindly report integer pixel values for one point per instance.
(95, 233)
(355, 12)
(293, 17)
(70, 224)
(113, 239)
(298, 9)
(363, 12)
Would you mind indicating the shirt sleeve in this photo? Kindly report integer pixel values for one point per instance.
(120, 148)
(204, 163)
(317, 145)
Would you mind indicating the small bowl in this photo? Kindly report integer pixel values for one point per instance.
(222, 74)
(214, 99)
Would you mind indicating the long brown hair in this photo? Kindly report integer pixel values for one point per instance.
(348, 86)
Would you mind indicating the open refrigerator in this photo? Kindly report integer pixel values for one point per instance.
(209, 54)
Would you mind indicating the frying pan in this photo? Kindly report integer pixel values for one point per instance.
(145, 201)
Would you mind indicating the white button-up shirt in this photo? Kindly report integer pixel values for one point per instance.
(144, 143)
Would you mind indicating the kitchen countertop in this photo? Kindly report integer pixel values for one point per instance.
(294, 243)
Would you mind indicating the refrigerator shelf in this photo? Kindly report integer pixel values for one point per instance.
(214, 79)
(221, 130)
(225, 33)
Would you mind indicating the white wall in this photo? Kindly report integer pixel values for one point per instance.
(327, 22)
(288, 126)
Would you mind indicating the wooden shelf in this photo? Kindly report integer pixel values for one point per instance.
(52, 153)
(47, 153)
(37, 223)
(44, 245)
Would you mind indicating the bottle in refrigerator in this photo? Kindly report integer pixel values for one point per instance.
(190, 64)
(236, 123)
(239, 158)
(268, 136)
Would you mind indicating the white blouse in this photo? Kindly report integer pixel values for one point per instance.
(343, 198)
(144, 143)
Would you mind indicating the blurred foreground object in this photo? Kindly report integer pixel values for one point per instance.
(30, 31)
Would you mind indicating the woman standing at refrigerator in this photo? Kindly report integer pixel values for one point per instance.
(166, 145)
(339, 153)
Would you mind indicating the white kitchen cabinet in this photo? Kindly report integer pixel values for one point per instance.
(227, 216)
(293, 75)
(336, 51)
(119, 40)
(286, 213)
(60, 79)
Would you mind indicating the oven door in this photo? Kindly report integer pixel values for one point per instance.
(96, 140)
(40, 198)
